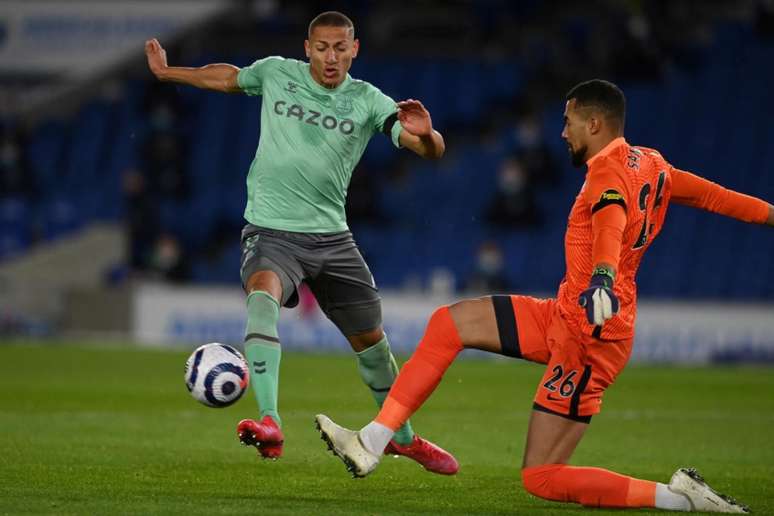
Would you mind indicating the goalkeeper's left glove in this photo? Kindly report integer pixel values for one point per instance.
(599, 299)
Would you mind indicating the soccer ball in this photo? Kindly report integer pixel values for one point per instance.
(216, 375)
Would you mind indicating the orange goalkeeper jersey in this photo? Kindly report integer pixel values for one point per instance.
(642, 183)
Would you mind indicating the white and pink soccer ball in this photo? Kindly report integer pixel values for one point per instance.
(216, 375)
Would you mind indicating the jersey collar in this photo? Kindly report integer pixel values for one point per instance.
(322, 89)
(607, 150)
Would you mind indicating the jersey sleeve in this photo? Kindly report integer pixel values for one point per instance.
(251, 78)
(691, 190)
(607, 196)
(606, 186)
(384, 117)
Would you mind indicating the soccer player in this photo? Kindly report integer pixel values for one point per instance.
(315, 123)
(584, 335)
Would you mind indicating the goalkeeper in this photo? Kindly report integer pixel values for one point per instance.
(585, 335)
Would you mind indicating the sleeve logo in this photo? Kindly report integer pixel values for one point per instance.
(611, 195)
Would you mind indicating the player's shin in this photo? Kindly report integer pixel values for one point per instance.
(418, 378)
(378, 370)
(591, 487)
(263, 351)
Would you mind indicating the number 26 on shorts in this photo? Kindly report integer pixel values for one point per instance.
(567, 385)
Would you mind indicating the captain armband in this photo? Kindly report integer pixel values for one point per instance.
(388, 123)
(607, 198)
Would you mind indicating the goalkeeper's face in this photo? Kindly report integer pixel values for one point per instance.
(330, 51)
(575, 133)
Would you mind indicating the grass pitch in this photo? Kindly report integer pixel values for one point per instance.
(89, 430)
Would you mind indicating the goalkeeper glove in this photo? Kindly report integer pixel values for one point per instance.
(599, 299)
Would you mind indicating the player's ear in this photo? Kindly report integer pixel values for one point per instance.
(594, 124)
(355, 48)
(306, 48)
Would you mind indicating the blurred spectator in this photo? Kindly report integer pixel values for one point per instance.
(514, 202)
(534, 154)
(160, 177)
(442, 283)
(162, 107)
(15, 174)
(163, 161)
(489, 274)
(141, 219)
(164, 148)
(636, 54)
(168, 262)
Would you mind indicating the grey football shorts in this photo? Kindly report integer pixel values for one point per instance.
(330, 263)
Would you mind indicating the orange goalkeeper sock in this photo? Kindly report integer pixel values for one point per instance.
(591, 487)
(423, 372)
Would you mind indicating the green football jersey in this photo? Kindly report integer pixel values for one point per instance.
(311, 139)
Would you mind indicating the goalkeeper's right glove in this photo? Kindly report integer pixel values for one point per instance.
(599, 299)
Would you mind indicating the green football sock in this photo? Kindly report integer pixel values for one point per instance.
(378, 370)
(263, 351)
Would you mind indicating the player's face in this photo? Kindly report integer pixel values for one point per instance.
(330, 51)
(574, 134)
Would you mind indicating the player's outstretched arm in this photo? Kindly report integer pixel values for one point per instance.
(691, 190)
(418, 133)
(218, 77)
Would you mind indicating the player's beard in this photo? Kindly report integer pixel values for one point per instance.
(578, 156)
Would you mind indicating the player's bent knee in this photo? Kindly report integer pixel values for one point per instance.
(362, 341)
(441, 330)
(371, 337)
(266, 281)
(532, 481)
(537, 481)
(476, 323)
(469, 313)
(467, 308)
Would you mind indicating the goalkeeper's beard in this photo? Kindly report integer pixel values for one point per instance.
(578, 157)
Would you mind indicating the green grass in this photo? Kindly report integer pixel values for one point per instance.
(86, 430)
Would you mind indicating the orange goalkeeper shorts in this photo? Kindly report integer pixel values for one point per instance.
(579, 367)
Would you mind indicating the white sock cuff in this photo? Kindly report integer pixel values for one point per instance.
(668, 499)
(375, 437)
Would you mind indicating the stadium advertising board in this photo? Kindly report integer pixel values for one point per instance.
(78, 36)
(666, 332)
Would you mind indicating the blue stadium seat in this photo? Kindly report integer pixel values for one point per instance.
(15, 225)
(437, 210)
(45, 151)
(60, 216)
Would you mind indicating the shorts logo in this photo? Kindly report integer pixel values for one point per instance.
(249, 248)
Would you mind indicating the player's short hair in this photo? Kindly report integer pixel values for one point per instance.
(332, 19)
(603, 96)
